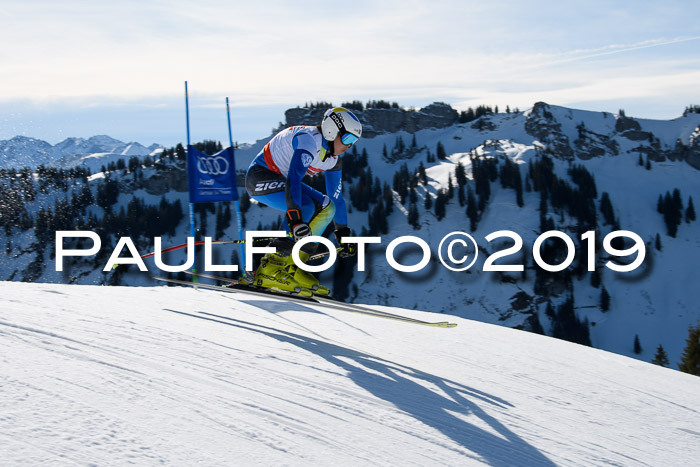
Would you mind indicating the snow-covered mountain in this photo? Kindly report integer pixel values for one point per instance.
(21, 151)
(158, 375)
(655, 304)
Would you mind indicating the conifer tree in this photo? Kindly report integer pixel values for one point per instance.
(568, 326)
(660, 358)
(657, 244)
(203, 222)
(543, 210)
(422, 176)
(107, 193)
(428, 205)
(412, 196)
(472, 209)
(482, 171)
(342, 277)
(518, 187)
(460, 174)
(219, 222)
(363, 161)
(677, 201)
(690, 211)
(401, 183)
(637, 345)
(180, 153)
(413, 216)
(388, 196)
(223, 218)
(604, 300)
(535, 324)
(690, 360)
(672, 212)
(441, 154)
(440, 204)
(549, 310)
(245, 202)
(606, 209)
(376, 189)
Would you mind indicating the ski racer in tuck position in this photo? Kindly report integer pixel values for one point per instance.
(275, 178)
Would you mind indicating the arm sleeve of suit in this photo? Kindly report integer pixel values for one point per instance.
(334, 189)
(301, 158)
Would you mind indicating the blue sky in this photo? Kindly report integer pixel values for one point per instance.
(80, 68)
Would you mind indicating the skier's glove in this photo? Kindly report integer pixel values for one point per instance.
(299, 228)
(346, 250)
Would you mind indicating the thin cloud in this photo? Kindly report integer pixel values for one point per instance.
(617, 49)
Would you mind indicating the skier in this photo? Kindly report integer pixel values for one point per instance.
(275, 178)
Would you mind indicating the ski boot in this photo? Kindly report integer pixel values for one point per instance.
(271, 275)
(276, 262)
(304, 278)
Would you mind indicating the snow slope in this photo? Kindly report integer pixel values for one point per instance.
(155, 375)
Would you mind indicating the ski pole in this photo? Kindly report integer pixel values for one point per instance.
(323, 255)
(201, 242)
(226, 242)
(198, 243)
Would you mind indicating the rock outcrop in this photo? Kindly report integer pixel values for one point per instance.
(380, 121)
(693, 156)
(542, 124)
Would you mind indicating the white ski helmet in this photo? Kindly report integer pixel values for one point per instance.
(340, 121)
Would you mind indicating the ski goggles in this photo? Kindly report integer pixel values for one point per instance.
(348, 139)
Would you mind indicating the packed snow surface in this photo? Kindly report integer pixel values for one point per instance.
(156, 375)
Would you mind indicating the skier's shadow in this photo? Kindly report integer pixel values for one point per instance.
(277, 308)
(408, 390)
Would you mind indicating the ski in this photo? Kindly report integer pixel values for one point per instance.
(319, 298)
(315, 300)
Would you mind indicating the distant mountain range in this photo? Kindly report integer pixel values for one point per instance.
(22, 151)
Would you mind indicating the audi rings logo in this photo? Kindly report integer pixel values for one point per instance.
(212, 165)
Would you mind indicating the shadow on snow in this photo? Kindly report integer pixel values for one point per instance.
(444, 409)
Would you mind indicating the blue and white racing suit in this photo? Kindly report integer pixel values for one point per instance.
(275, 177)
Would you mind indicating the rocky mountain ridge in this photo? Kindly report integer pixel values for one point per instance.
(376, 121)
(567, 137)
(562, 132)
